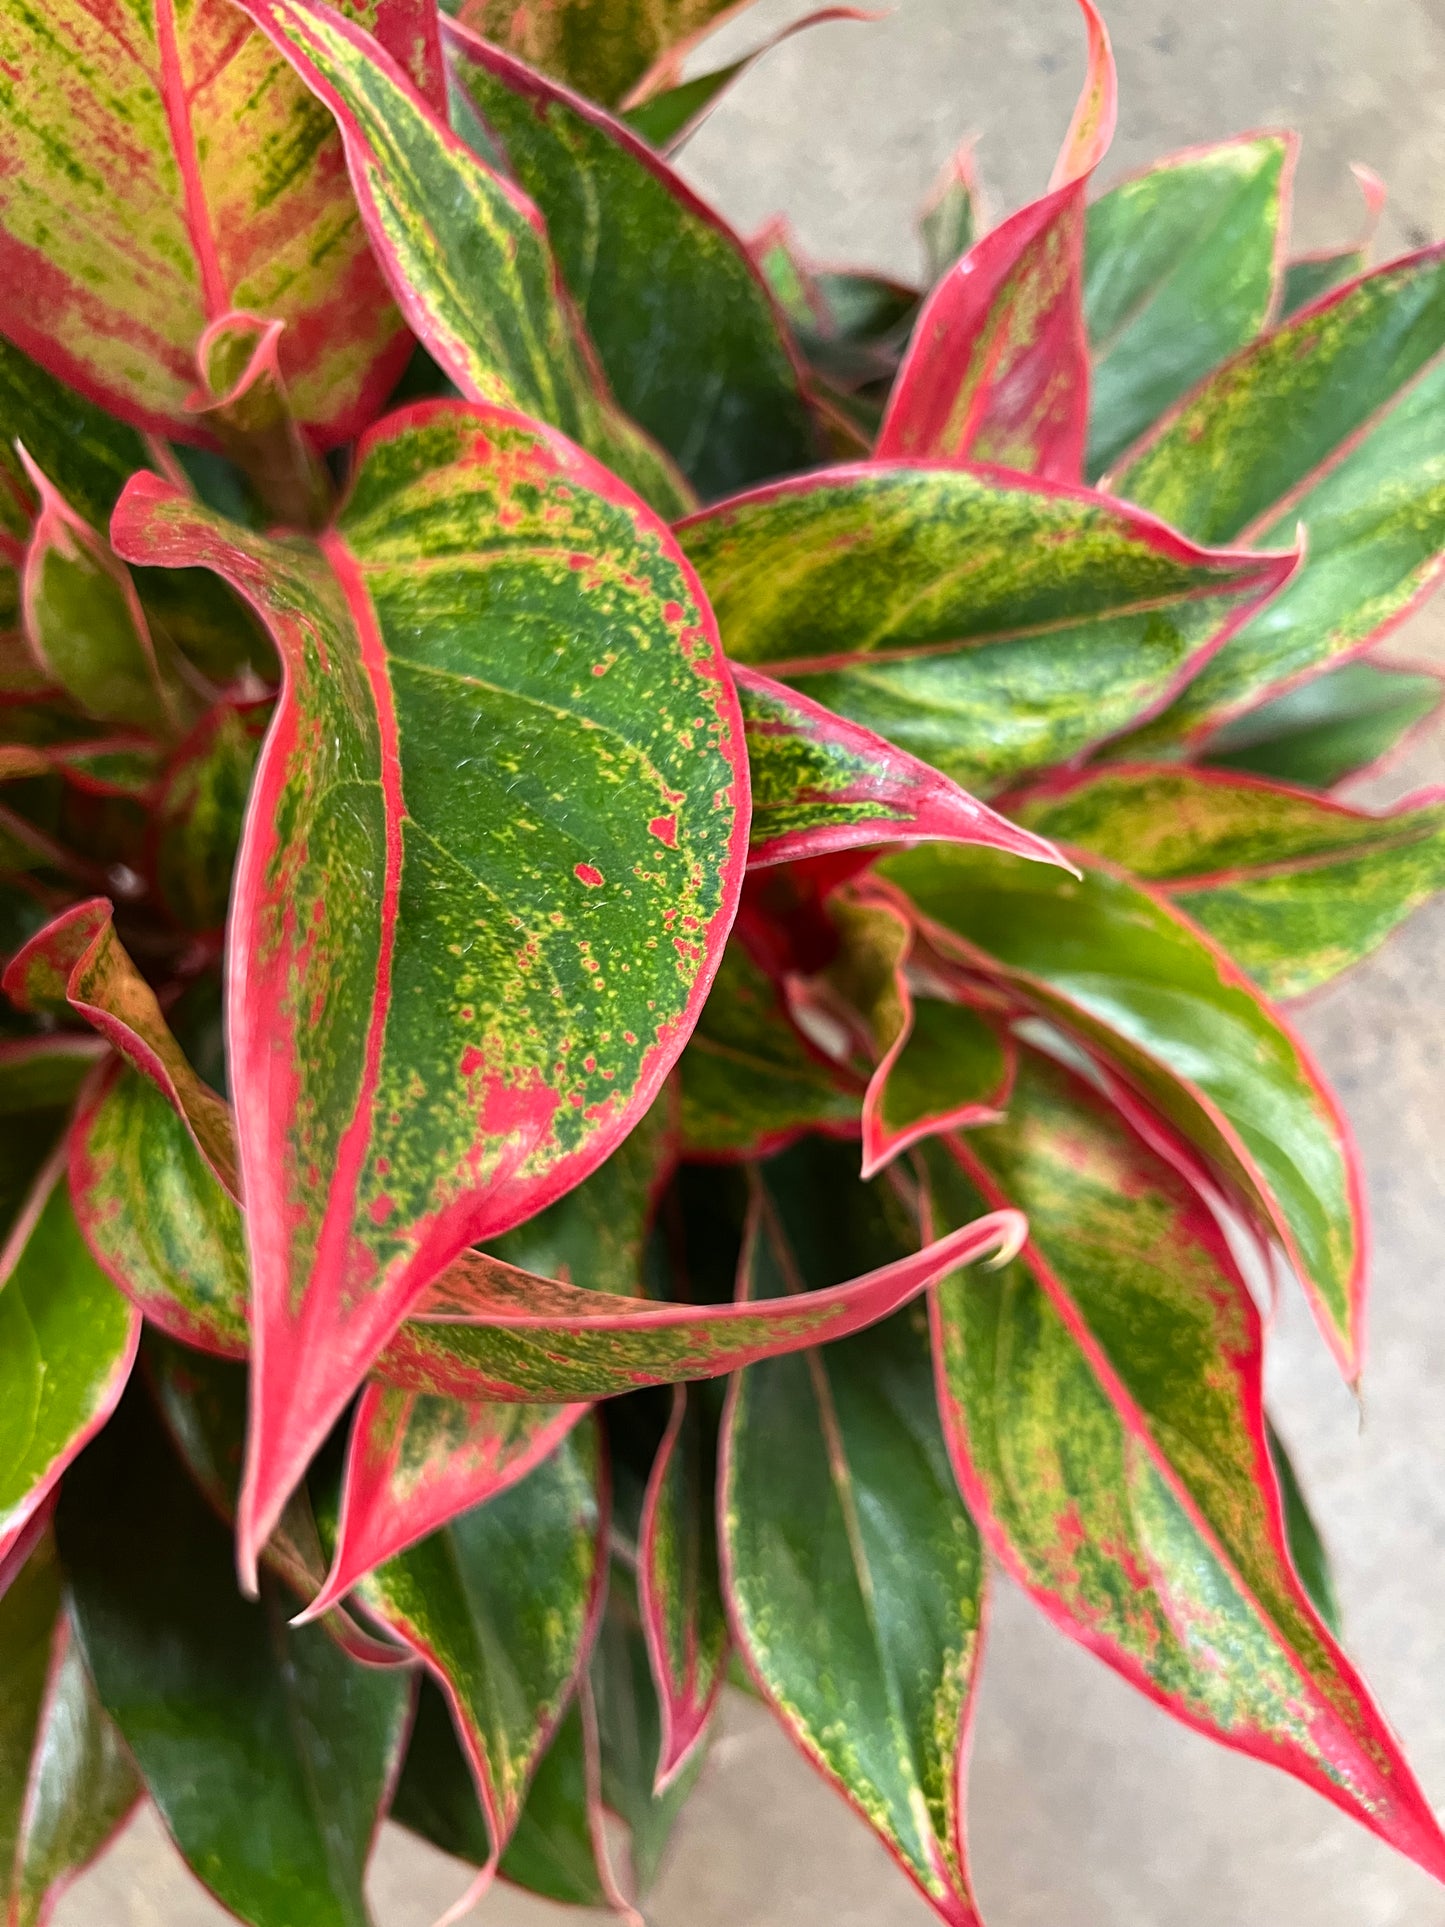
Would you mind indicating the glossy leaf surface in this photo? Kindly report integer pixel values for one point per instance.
(465, 252)
(1325, 730)
(414, 1462)
(67, 1343)
(1103, 1402)
(501, 1604)
(1331, 420)
(820, 783)
(1133, 978)
(984, 626)
(40, 1078)
(1179, 272)
(541, 766)
(998, 366)
(65, 1782)
(682, 1609)
(751, 1082)
(855, 1576)
(268, 1751)
(1294, 887)
(153, 184)
(710, 376)
(605, 59)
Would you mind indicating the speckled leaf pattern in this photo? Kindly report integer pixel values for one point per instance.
(67, 1343)
(502, 1605)
(710, 376)
(1329, 728)
(197, 816)
(487, 1332)
(505, 704)
(1135, 981)
(268, 1751)
(163, 167)
(157, 1219)
(998, 366)
(465, 252)
(1102, 1398)
(606, 58)
(65, 1782)
(820, 783)
(1332, 420)
(1296, 888)
(984, 626)
(682, 1609)
(751, 1082)
(414, 1462)
(1179, 272)
(77, 963)
(855, 1576)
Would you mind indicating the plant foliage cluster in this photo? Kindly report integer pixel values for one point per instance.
(646, 893)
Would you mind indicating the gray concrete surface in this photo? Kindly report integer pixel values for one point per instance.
(1090, 1809)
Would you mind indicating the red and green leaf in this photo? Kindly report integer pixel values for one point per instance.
(952, 217)
(1309, 276)
(998, 367)
(682, 1611)
(1329, 421)
(821, 783)
(950, 1067)
(414, 1462)
(198, 813)
(1294, 887)
(505, 704)
(243, 399)
(465, 252)
(1136, 982)
(166, 168)
(711, 377)
(983, 625)
(269, 1752)
(1102, 1400)
(66, 1784)
(855, 1577)
(608, 59)
(1180, 266)
(67, 1342)
(1335, 726)
(502, 1606)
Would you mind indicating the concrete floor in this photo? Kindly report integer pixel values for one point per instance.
(1089, 1808)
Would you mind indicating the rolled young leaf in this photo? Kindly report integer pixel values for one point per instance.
(244, 399)
(66, 1784)
(1333, 727)
(1134, 980)
(854, 1575)
(151, 184)
(502, 1605)
(683, 1616)
(466, 253)
(751, 1081)
(67, 1343)
(711, 377)
(484, 578)
(78, 963)
(1329, 421)
(1296, 888)
(982, 624)
(269, 1753)
(1180, 264)
(998, 367)
(1102, 1401)
(820, 783)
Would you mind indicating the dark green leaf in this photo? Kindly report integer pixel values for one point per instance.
(1330, 727)
(1306, 1548)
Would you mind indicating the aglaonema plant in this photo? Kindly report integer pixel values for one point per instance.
(646, 893)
